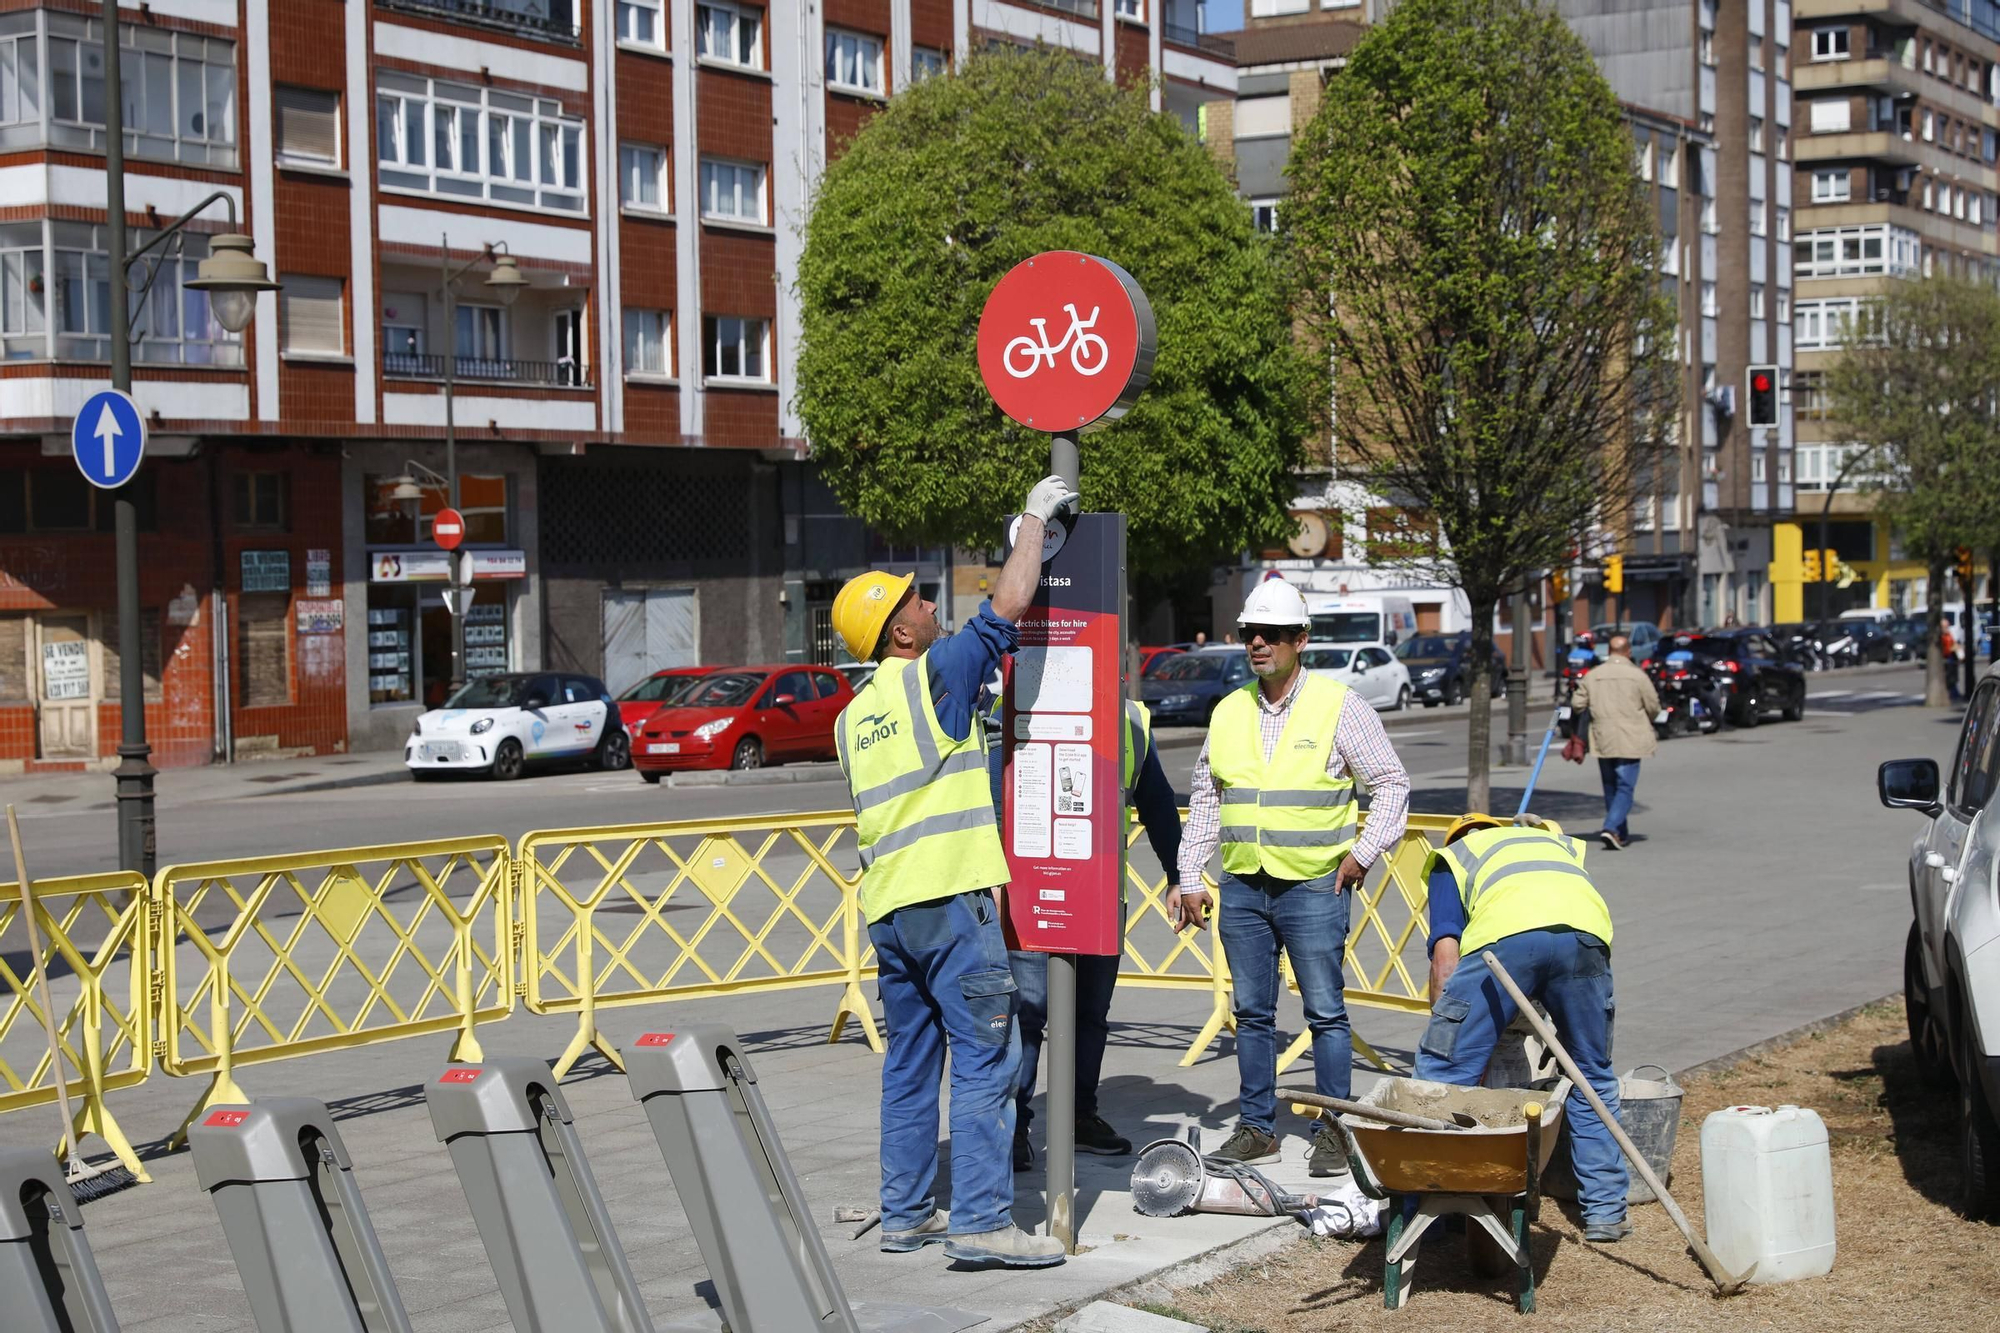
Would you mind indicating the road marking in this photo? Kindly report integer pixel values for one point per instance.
(1410, 735)
(1831, 694)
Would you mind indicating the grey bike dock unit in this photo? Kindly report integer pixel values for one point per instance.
(743, 1202)
(547, 1233)
(48, 1278)
(284, 1188)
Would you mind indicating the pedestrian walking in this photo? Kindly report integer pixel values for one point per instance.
(1148, 791)
(1522, 891)
(1615, 703)
(914, 755)
(1274, 788)
(1953, 653)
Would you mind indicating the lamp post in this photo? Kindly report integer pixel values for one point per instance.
(505, 283)
(232, 277)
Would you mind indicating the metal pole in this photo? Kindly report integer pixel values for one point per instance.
(1061, 1044)
(457, 607)
(134, 775)
(1517, 686)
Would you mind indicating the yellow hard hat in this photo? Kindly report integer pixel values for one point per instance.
(863, 606)
(1465, 824)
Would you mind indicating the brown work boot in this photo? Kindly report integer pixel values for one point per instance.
(1251, 1146)
(1009, 1247)
(929, 1232)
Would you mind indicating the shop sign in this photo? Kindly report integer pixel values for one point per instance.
(323, 617)
(435, 566)
(267, 571)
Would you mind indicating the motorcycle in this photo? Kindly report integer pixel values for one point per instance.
(1690, 701)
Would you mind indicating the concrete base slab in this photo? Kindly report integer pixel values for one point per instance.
(1104, 1317)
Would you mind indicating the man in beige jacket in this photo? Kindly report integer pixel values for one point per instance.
(1615, 703)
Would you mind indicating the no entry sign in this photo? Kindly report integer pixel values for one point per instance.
(1066, 342)
(448, 528)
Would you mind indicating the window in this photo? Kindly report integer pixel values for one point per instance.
(21, 77)
(179, 90)
(1829, 44)
(1808, 400)
(1784, 306)
(1132, 9)
(259, 499)
(733, 348)
(1670, 166)
(24, 296)
(308, 125)
(642, 22)
(477, 143)
(173, 326)
(728, 34)
(927, 62)
(403, 338)
(1841, 252)
(642, 177)
(1759, 217)
(1756, 130)
(1830, 115)
(1929, 126)
(853, 61)
(649, 343)
(1831, 187)
(1646, 161)
(1264, 215)
(732, 190)
(1784, 467)
(481, 336)
(1831, 323)
(309, 316)
(1757, 466)
(266, 648)
(1708, 305)
(1784, 223)
(1929, 68)
(1707, 53)
(1756, 300)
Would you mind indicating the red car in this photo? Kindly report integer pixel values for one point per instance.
(644, 699)
(744, 717)
(1147, 656)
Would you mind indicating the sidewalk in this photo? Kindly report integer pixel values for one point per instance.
(212, 782)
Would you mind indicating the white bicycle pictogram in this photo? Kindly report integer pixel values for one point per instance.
(1076, 339)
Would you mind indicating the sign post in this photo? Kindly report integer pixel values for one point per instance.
(1063, 725)
(448, 530)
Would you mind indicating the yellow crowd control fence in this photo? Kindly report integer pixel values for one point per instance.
(96, 945)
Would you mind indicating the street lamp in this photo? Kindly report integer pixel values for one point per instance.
(232, 276)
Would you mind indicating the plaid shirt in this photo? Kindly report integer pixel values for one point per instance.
(1360, 747)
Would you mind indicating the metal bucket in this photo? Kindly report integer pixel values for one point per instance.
(1650, 1112)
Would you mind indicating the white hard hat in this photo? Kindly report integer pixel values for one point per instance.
(1275, 602)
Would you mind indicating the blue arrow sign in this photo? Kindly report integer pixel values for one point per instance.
(108, 438)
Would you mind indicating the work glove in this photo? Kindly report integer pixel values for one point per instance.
(1574, 749)
(1052, 497)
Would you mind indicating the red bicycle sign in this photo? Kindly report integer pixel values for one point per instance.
(1093, 371)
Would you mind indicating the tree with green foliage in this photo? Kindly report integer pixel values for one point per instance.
(1929, 418)
(957, 180)
(1471, 242)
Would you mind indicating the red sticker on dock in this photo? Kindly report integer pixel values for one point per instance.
(655, 1039)
(227, 1119)
(460, 1075)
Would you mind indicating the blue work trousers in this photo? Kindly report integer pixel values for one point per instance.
(1096, 976)
(945, 984)
(1621, 778)
(1570, 975)
(1261, 917)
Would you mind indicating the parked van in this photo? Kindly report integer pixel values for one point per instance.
(1383, 619)
(1874, 615)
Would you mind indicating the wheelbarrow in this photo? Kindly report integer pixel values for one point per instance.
(1489, 1172)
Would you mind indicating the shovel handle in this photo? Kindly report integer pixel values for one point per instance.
(1726, 1284)
(1401, 1119)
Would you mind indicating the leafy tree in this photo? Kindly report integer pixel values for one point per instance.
(1471, 240)
(1929, 417)
(956, 181)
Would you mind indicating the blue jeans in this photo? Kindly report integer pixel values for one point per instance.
(945, 983)
(1306, 920)
(1570, 974)
(1095, 977)
(1620, 777)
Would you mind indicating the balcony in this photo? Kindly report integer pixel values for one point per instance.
(1083, 9)
(1878, 71)
(547, 20)
(483, 369)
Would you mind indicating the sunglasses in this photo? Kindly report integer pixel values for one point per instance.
(1269, 633)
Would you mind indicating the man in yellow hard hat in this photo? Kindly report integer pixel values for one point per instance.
(1521, 891)
(914, 755)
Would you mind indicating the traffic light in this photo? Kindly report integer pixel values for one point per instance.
(1614, 573)
(1811, 572)
(1965, 564)
(1559, 585)
(1763, 395)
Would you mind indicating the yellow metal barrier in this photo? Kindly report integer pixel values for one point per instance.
(331, 950)
(640, 913)
(96, 940)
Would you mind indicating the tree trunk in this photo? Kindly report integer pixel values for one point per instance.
(1479, 728)
(1934, 664)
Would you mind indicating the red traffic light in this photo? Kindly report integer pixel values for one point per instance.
(1761, 382)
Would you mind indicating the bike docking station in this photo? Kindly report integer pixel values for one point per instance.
(547, 1233)
(1063, 726)
(48, 1278)
(291, 1210)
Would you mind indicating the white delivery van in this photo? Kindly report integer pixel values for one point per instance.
(1874, 615)
(1381, 619)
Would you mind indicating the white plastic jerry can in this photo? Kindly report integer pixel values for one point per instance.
(1767, 1187)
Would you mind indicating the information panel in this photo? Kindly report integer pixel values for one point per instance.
(1062, 729)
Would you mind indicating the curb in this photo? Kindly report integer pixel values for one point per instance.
(336, 784)
(1162, 1282)
(1803, 1030)
(756, 777)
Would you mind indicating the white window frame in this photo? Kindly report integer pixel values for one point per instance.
(76, 300)
(487, 320)
(628, 32)
(1709, 307)
(1832, 187)
(1817, 324)
(279, 97)
(857, 53)
(404, 327)
(1756, 300)
(294, 287)
(643, 329)
(1759, 217)
(632, 169)
(164, 70)
(928, 62)
(714, 18)
(1756, 130)
(1831, 115)
(1784, 223)
(1856, 252)
(543, 155)
(24, 313)
(711, 169)
(1262, 211)
(1646, 161)
(1133, 11)
(752, 335)
(1269, 9)
(1830, 44)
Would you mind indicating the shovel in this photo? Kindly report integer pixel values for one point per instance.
(1725, 1285)
(1400, 1119)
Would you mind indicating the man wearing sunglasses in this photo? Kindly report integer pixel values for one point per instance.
(1274, 789)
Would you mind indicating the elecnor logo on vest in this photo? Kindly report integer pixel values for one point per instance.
(876, 728)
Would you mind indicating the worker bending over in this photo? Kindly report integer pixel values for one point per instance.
(1521, 891)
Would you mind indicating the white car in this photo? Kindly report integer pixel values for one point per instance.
(1372, 672)
(500, 724)
(1951, 959)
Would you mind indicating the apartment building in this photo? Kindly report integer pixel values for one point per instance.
(637, 488)
(1284, 59)
(1899, 134)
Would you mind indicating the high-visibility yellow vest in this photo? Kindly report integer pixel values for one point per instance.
(1286, 816)
(923, 807)
(1516, 879)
